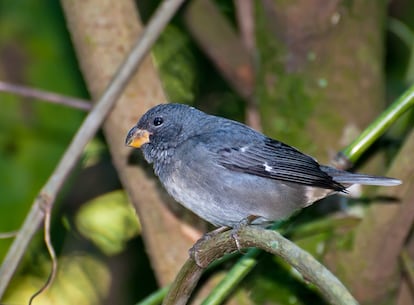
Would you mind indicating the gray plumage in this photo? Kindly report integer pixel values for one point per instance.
(225, 171)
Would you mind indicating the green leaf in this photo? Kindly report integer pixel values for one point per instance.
(109, 221)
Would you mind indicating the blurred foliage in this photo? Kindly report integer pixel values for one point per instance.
(81, 279)
(291, 288)
(177, 65)
(35, 50)
(33, 134)
(109, 221)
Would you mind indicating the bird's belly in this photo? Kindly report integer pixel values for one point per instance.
(224, 198)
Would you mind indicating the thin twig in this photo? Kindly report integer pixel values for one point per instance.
(407, 266)
(86, 131)
(401, 30)
(11, 234)
(404, 32)
(46, 96)
(271, 241)
(49, 245)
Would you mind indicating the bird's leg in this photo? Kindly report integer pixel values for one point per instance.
(236, 229)
(213, 233)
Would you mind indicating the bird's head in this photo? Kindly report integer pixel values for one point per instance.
(163, 127)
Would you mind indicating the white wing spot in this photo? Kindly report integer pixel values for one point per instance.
(267, 167)
(244, 148)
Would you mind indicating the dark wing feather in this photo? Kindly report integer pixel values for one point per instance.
(273, 159)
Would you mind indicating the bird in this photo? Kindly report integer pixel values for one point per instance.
(228, 173)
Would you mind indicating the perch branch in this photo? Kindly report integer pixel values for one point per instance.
(271, 241)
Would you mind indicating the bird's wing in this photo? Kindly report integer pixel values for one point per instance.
(272, 159)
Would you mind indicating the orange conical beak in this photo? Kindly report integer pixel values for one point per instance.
(137, 137)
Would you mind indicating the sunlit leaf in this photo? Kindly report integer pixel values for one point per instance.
(109, 221)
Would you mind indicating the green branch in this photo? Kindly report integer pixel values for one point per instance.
(377, 128)
(210, 250)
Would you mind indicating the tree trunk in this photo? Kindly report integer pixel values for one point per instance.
(320, 76)
(103, 32)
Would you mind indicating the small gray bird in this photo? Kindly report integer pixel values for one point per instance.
(226, 172)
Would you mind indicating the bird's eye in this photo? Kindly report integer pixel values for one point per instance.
(158, 121)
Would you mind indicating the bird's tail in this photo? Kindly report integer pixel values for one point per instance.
(345, 178)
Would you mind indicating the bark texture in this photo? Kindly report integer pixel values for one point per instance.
(320, 76)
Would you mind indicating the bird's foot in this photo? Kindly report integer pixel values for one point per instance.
(236, 229)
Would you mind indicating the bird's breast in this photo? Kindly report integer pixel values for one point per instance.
(224, 197)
